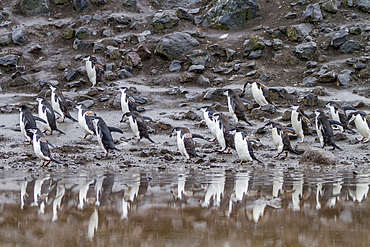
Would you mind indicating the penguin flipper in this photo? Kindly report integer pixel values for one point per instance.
(334, 122)
(198, 136)
(51, 145)
(114, 129)
(137, 99)
(336, 147)
(147, 118)
(56, 161)
(40, 119)
(246, 120)
(61, 132)
(58, 113)
(147, 137)
(70, 117)
(348, 108)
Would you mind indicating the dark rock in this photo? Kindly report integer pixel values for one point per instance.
(330, 7)
(82, 32)
(164, 20)
(229, 54)
(35, 7)
(277, 44)
(18, 36)
(359, 66)
(98, 47)
(163, 125)
(133, 59)
(175, 66)
(80, 5)
(123, 73)
(69, 32)
(173, 91)
(258, 114)
(203, 81)
(306, 50)
(130, 5)
(286, 115)
(344, 78)
(298, 32)
(312, 13)
(107, 33)
(9, 61)
(19, 81)
(364, 5)
(5, 39)
(110, 76)
(79, 45)
(113, 52)
(213, 94)
(318, 156)
(355, 30)
(310, 100)
(184, 14)
(187, 77)
(172, 46)
(340, 37)
(328, 77)
(291, 15)
(196, 68)
(70, 74)
(350, 46)
(340, 137)
(88, 103)
(279, 93)
(98, 1)
(269, 108)
(34, 48)
(320, 91)
(191, 115)
(255, 54)
(199, 58)
(143, 52)
(93, 92)
(311, 64)
(230, 14)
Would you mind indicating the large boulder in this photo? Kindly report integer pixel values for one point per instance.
(18, 36)
(164, 20)
(298, 32)
(9, 61)
(225, 14)
(350, 46)
(173, 45)
(306, 50)
(318, 156)
(340, 37)
(35, 7)
(312, 13)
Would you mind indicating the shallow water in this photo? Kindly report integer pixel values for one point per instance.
(257, 206)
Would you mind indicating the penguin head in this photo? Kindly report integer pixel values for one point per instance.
(207, 109)
(87, 58)
(351, 117)
(179, 130)
(23, 108)
(39, 99)
(294, 107)
(53, 88)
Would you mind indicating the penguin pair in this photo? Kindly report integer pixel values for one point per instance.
(362, 122)
(46, 112)
(236, 107)
(280, 138)
(94, 70)
(27, 122)
(338, 113)
(103, 134)
(138, 125)
(260, 92)
(41, 147)
(208, 112)
(299, 121)
(185, 142)
(324, 130)
(59, 103)
(243, 146)
(85, 119)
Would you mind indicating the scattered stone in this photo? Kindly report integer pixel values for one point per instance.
(174, 45)
(113, 52)
(344, 78)
(306, 50)
(5, 39)
(110, 76)
(163, 125)
(328, 77)
(9, 61)
(319, 91)
(175, 66)
(230, 14)
(340, 37)
(199, 58)
(173, 91)
(191, 115)
(187, 77)
(279, 93)
(340, 137)
(79, 45)
(143, 52)
(196, 68)
(35, 7)
(355, 30)
(255, 54)
(69, 32)
(82, 32)
(213, 94)
(80, 5)
(133, 59)
(269, 108)
(107, 33)
(123, 73)
(130, 5)
(184, 14)
(310, 100)
(98, 47)
(277, 44)
(330, 7)
(286, 115)
(203, 81)
(164, 20)
(88, 103)
(34, 48)
(297, 33)
(359, 66)
(70, 74)
(312, 13)
(18, 36)
(93, 92)
(318, 156)
(350, 46)
(19, 81)
(364, 5)
(258, 114)
(291, 15)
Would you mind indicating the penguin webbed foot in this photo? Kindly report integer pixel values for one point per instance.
(211, 140)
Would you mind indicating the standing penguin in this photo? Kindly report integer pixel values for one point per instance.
(236, 107)
(26, 122)
(94, 69)
(243, 147)
(47, 113)
(259, 91)
(208, 112)
(222, 128)
(338, 113)
(104, 136)
(185, 142)
(41, 147)
(280, 138)
(59, 103)
(299, 121)
(324, 130)
(362, 122)
(85, 119)
(127, 100)
(138, 125)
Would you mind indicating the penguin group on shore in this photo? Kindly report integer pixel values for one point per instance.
(229, 135)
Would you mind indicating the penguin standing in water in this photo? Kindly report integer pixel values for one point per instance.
(222, 128)
(104, 136)
(299, 121)
(47, 113)
(259, 91)
(280, 138)
(26, 122)
(243, 147)
(338, 113)
(59, 103)
(41, 147)
(362, 122)
(85, 120)
(185, 142)
(94, 70)
(208, 112)
(138, 125)
(236, 107)
(324, 130)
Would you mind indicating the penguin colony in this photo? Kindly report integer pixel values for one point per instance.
(230, 136)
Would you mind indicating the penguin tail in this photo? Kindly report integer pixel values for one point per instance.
(245, 120)
(117, 149)
(61, 132)
(70, 117)
(293, 151)
(147, 137)
(257, 160)
(56, 161)
(336, 147)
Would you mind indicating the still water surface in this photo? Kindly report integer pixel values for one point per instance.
(184, 207)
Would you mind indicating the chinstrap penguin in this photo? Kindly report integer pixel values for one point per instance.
(41, 147)
(338, 113)
(362, 122)
(85, 119)
(27, 121)
(299, 121)
(324, 130)
(46, 112)
(259, 91)
(236, 107)
(222, 128)
(59, 103)
(185, 142)
(138, 125)
(208, 112)
(94, 70)
(243, 147)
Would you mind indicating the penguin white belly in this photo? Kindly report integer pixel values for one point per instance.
(37, 149)
(210, 124)
(42, 114)
(278, 141)
(56, 106)
(134, 127)
(100, 141)
(296, 124)
(84, 125)
(335, 116)
(91, 73)
(241, 147)
(124, 104)
(220, 136)
(258, 95)
(231, 110)
(319, 134)
(23, 127)
(362, 127)
(181, 146)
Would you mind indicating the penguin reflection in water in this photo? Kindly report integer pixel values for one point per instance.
(41, 147)
(243, 147)
(104, 136)
(324, 130)
(26, 122)
(281, 138)
(185, 142)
